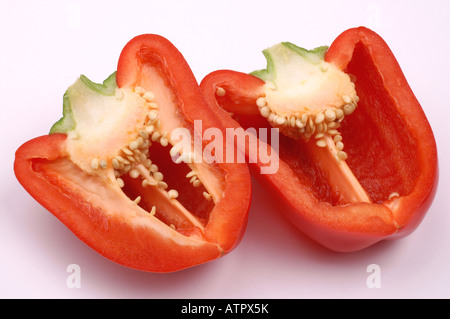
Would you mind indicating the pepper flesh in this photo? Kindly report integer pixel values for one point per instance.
(400, 181)
(108, 197)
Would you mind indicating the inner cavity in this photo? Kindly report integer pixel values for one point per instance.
(381, 153)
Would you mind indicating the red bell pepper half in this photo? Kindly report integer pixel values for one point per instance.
(112, 169)
(381, 184)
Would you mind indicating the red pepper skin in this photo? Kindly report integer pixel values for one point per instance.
(379, 83)
(87, 204)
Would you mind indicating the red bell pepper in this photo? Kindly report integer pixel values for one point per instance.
(354, 93)
(105, 170)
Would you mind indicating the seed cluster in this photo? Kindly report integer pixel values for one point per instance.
(308, 124)
(134, 158)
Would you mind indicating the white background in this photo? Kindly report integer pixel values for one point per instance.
(46, 45)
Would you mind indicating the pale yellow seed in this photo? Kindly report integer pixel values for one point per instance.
(320, 127)
(319, 118)
(153, 168)
(140, 141)
(197, 183)
(321, 143)
(145, 146)
(299, 123)
(339, 114)
(153, 211)
(348, 109)
(115, 163)
(281, 120)
(142, 158)
(149, 96)
(119, 158)
(312, 127)
(333, 132)
(127, 151)
(158, 176)
(172, 194)
(153, 105)
(133, 145)
(137, 200)
(265, 111)
(337, 138)
(156, 136)
(153, 115)
(333, 125)
(342, 155)
(193, 179)
(261, 101)
(172, 226)
(120, 182)
(394, 194)
(271, 117)
(94, 163)
(292, 121)
(319, 135)
(103, 164)
(137, 156)
(207, 195)
(330, 115)
(163, 185)
(220, 91)
(147, 162)
(304, 118)
(190, 174)
(150, 182)
(149, 129)
(134, 173)
(164, 141)
(339, 146)
(346, 98)
(139, 90)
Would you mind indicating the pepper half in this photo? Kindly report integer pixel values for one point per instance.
(112, 169)
(353, 93)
